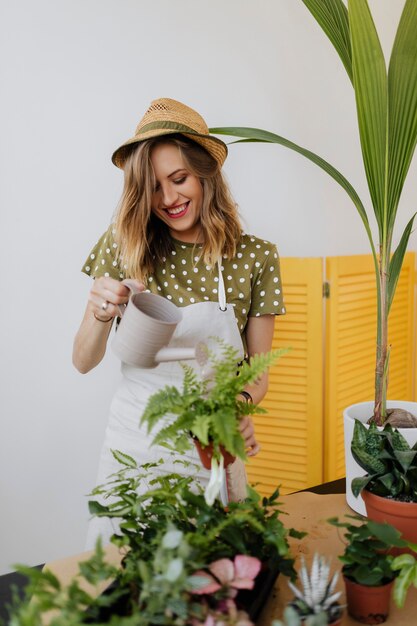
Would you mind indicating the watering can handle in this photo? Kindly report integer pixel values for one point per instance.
(133, 287)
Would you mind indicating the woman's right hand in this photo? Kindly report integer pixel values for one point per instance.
(110, 292)
(91, 339)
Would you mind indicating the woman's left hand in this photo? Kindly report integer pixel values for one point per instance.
(247, 430)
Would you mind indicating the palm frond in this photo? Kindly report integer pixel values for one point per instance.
(371, 93)
(332, 16)
(402, 109)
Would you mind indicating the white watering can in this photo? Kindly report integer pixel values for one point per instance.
(148, 322)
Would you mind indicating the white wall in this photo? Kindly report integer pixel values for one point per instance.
(76, 76)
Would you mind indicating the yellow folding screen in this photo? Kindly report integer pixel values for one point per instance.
(331, 365)
(350, 345)
(291, 432)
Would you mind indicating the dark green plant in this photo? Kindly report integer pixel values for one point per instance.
(209, 409)
(166, 535)
(390, 463)
(386, 103)
(252, 527)
(366, 559)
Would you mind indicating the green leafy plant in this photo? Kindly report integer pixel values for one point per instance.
(66, 605)
(171, 591)
(366, 560)
(388, 460)
(318, 595)
(251, 527)
(209, 408)
(386, 105)
(173, 544)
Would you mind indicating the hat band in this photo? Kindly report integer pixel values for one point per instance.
(166, 125)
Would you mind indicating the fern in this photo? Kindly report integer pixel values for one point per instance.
(208, 409)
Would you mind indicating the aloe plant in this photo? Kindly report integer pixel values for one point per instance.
(386, 103)
(318, 595)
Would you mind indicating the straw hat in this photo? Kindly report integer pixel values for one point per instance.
(166, 117)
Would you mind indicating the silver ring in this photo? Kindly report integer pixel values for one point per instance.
(104, 305)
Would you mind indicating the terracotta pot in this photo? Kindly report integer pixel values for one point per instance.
(368, 605)
(401, 515)
(363, 411)
(206, 452)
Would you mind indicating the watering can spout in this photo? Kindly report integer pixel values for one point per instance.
(199, 353)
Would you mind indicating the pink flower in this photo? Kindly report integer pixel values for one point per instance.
(237, 574)
(246, 570)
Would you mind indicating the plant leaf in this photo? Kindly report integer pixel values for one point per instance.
(402, 584)
(124, 459)
(398, 441)
(397, 261)
(360, 434)
(386, 533)
(402, 561)
(259, 135)
(200, 428)
(367, 461)
(402, 110)
(405, 458)
(332, 16)
(360, 483)
(371, 92)
(225, 427)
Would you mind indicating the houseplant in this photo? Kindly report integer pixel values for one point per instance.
(170, 593)
(367, 570)
(183, 559)
(318, 596)
(209, 409)
(389, 488)
(386, 105)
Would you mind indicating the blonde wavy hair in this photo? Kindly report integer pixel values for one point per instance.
(143, 238)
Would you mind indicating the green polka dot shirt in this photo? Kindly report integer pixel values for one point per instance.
(252, 278)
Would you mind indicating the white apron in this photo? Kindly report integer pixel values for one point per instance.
(200, 321)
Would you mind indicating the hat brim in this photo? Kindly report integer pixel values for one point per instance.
(214, 146)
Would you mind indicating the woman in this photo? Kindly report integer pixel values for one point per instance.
(177, 233)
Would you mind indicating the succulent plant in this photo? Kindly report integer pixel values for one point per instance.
(390, 463)
(318, 594)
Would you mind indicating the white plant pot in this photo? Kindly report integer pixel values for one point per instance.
(362, 412)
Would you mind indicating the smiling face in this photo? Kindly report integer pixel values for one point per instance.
(178, 195)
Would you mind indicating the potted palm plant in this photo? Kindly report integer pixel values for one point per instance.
(386, 103)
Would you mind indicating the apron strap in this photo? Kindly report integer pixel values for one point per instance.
(222, 291)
